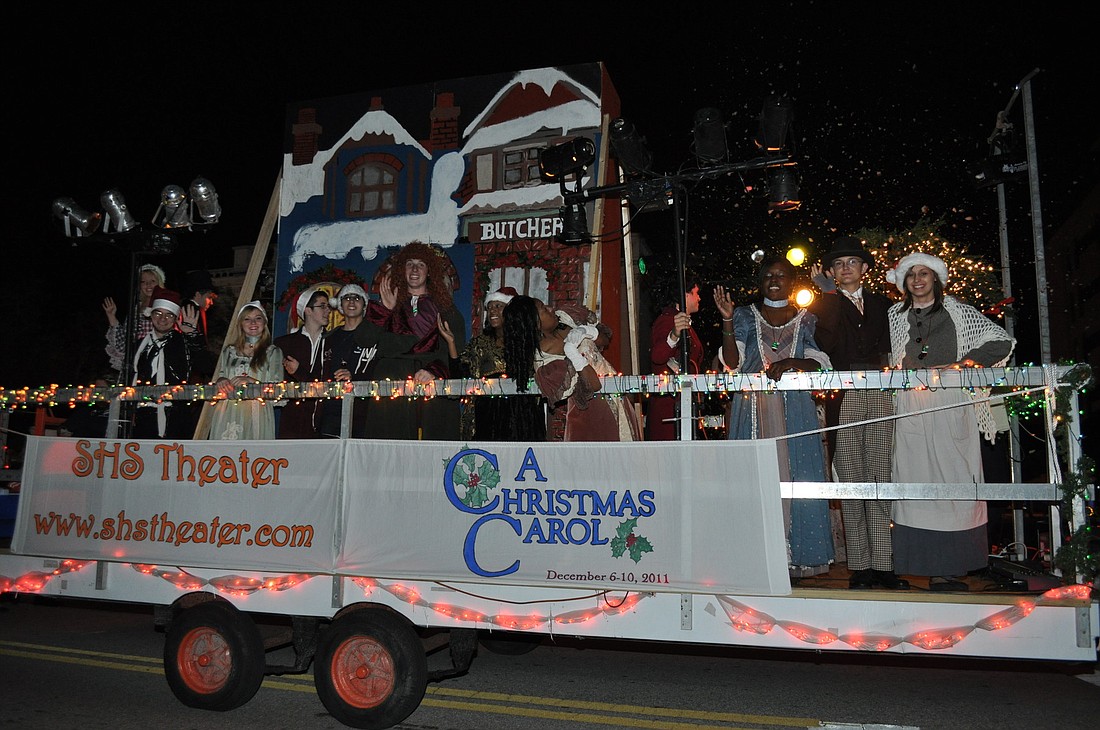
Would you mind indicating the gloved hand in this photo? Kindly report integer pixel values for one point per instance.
(574, 354)
(581, 332)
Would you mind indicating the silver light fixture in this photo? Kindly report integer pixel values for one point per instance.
(118, 214)
(204, 201)
(172, 211)
(78, 222)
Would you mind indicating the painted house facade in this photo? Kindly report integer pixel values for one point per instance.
(454, 164)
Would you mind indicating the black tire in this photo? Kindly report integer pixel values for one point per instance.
(370, 670)
(510, 644)
(213, 657)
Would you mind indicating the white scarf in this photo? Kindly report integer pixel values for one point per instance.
(157, 376)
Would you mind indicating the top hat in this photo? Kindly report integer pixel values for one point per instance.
(847, 246)
(198, 280)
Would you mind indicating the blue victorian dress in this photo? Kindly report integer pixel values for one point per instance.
(770, 414)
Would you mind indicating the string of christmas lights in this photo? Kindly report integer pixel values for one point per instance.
(742, 617)
(1004, 378)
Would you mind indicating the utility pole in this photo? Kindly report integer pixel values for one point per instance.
(1036, 221)
(1001, 128)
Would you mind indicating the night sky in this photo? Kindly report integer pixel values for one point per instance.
(893, 105)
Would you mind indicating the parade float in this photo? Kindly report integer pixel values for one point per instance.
(390, 562)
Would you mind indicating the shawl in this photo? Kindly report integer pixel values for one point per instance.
(972, 330)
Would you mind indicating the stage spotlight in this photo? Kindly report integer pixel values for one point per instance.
(172, 205)
(205, 200)
(783, 188)
(775, 121)
(568, 158)
(78, 222)
(574, 224)
(117, 212)
(710, 137)
(804, 297)
(629, 147)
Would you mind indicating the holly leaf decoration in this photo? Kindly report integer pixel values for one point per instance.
(477, 478)
(639, 546)
(625, 541)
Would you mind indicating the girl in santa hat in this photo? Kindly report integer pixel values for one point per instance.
(942, 539)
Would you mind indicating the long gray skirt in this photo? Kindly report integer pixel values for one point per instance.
(935, 553)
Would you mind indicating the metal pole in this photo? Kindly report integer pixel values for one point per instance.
(1036, 222)
(683, 401)
(1014, 451)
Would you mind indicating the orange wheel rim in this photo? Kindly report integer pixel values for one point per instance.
(204, 660)
(362, 672)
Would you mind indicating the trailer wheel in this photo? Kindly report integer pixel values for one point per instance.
(371, 670)
(510, 644)
(213, 657)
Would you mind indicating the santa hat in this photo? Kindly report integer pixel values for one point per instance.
(303, 299)
(503, 295)
(164, 299)
(345, 291)
(896, 275)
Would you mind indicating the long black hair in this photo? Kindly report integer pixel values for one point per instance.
(522, 336)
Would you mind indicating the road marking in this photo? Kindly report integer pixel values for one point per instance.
(571, 711)
(628, 709)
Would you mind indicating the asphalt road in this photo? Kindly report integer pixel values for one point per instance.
(66, 664)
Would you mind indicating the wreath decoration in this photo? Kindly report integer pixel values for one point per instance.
(329, 273)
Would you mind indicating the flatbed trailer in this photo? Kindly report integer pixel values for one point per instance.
(383, 553)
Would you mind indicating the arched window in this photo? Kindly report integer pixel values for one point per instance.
(372, 190)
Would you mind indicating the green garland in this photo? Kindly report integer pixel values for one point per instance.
(1076, 558)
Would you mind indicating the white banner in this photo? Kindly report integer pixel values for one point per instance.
(247, 505)
(642, 516)
(700, 516)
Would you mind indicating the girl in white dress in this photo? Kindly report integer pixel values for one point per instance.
(248, 357)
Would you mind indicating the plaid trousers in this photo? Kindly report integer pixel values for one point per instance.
(865, 454)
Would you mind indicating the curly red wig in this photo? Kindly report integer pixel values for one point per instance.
(439, 284)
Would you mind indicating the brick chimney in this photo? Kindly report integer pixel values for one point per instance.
(306, 132)
(444, 116)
